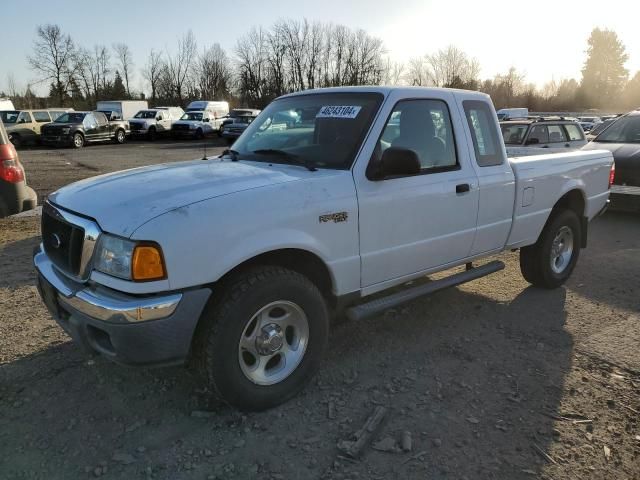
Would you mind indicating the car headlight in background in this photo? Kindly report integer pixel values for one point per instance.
(129, 260)
(66, 130)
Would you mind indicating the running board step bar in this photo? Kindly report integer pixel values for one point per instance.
(374, 307)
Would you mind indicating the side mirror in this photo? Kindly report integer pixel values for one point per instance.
(159, 117)
(532, 141)
(206, 120)
(398, 161)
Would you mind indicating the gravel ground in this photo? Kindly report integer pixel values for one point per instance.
(491, 380)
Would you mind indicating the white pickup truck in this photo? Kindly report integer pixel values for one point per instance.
(239, 261)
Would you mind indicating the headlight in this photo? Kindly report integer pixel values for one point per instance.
(66, 130)
(130, 260)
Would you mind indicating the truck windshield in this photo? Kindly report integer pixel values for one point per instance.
(9, 116)
(71, 118)
(513, 133)
(145, 114)
(623, 130)
(321, 129)
(197, 116)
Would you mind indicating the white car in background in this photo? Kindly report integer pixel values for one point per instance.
(196, 124)
(543, 135)
(154, 121)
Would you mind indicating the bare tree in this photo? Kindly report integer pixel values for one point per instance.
(125, 61)
(153, 71)
(252, 64)
(451, 67)
(180, 65)
(53, 54)
(213, 73)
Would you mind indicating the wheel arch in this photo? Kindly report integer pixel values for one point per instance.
(297, 259)
(574, 200)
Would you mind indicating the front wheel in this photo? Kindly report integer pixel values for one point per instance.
(550, 261)
(265, 337)
(120, 137)
(78, 140)
(199, 134)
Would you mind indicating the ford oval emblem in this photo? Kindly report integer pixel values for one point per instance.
(55, 241)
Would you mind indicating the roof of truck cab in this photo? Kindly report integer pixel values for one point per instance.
(409, 91)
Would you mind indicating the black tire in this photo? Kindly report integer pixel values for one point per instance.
(120, 137)
(536, 260)
(16, 140)
(217, 341)
(199, 134)
(4, 209)
(151, 134)
(77, 140)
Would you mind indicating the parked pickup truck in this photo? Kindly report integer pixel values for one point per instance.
(78, 128)
(238, 262)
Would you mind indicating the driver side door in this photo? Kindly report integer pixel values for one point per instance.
(412, 224)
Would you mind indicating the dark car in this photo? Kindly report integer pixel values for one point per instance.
(15, 195)
(234, 128)
(78, 128)
(622, 138)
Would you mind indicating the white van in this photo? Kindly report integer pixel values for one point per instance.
(124, 108)
(219, 111)
(6, 104)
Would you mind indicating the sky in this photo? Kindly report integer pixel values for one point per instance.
(544, 39)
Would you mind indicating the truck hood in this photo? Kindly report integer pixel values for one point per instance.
(121, 202)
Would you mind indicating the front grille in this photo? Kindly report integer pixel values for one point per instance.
(62, 242)
(135, 126)
(51, 131)
(180, 127)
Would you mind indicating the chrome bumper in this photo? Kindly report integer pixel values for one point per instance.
(101, 303)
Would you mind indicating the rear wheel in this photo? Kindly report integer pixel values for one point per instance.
(265, 337)
(550, 261)
(78, 140)
(120, 136)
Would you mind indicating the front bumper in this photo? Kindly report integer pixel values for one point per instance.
(56, 139)
(127, 329)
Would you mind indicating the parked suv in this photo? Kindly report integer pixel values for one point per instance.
(23, 126)
(77, 128)
(233, 127)
(155, 121)
(529, 137)
(15, 195)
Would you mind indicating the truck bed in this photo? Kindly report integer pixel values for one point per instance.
(542, 179)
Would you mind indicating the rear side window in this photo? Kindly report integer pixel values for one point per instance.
(556, 134)
(574, 131)
(42, 117)
(538, 134)
(484, 133)
(100, 118)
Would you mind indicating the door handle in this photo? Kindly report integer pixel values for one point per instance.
(463, 188)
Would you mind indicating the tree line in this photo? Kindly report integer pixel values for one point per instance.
(292, 55)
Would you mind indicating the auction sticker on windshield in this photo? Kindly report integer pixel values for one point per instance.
(338, 111)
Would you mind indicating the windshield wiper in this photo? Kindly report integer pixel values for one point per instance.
(288, 156)
(232, 153)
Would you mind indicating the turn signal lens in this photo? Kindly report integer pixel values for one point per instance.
(147, 263)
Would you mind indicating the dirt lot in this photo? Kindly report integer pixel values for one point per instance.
(493, 380)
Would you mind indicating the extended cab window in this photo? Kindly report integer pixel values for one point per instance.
(484, 133)
(100, 118)
(41, 117)
(89, 121)
(423, 126)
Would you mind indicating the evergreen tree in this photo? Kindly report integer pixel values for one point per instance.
(604, 75)
(118, 90)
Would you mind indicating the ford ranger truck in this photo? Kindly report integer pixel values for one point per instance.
(238, 262)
